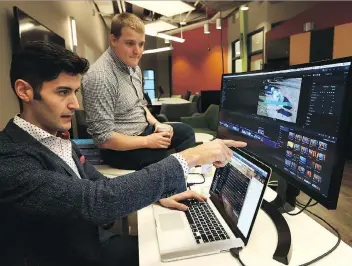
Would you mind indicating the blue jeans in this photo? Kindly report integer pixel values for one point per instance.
(182, 139)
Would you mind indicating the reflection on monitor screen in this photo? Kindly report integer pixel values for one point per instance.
(293, 120)
(279, 98)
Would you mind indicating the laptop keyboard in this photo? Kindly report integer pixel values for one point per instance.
(204, 224)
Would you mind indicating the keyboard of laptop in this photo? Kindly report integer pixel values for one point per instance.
(204, 224)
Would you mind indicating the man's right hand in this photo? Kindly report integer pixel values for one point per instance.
(160, 140)
(215, 152)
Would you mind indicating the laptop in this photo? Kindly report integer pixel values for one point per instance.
(225, 221)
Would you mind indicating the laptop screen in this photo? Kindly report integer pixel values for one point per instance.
(237, 191)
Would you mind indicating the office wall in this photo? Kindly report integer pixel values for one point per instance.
(261, 15)
(92, 36)
(159, 62)
(194, 66)
(323, 14)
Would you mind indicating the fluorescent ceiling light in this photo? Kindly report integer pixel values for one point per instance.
(165, 8)
(74, 32)
(165, 36)
(170, 37)
(159, 26)
(244, 8)
(163, 49)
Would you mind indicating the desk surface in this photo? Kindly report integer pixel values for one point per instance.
(168, 101)
(309, 240)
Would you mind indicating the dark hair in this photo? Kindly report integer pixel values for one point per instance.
(41, 61)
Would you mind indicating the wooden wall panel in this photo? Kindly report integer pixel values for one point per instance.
(343, 41)
(300, 48)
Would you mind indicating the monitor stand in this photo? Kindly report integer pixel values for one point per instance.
(284, 201)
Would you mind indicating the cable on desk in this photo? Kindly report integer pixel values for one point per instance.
(300, 211)
(329, 251)
(235, 252)
(191, 184)
(300, 204)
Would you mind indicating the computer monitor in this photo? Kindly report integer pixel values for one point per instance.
(296, 120)
(209, 97)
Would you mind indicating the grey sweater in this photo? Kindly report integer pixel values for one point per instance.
(46, 209)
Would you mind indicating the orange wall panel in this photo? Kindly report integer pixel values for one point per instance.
(343, 41)
(196, 68)
(300, 48)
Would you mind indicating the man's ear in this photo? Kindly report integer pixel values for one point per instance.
(113, 40)
(23, 90)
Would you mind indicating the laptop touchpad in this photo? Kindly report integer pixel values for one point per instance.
(171, 221)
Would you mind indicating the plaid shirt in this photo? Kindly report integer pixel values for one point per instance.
(113, 98)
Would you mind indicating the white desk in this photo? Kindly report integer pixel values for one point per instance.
(309, 240)
(155, 102)
(203, 137)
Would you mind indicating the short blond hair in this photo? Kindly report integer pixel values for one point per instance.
(126, 20)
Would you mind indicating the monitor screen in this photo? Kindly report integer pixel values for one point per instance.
(28, 29)
(294, 120)
(238, 189)
(209, 97)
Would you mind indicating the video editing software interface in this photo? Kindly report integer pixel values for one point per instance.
(238, 187)
(289, 118)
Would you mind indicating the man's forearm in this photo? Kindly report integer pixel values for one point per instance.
(121, 142)
(150, 118)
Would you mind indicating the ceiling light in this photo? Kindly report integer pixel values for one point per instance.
(73, 34)
(170, 37)
(183, 23)
(150, 33)
(159, 26)
(244, 8)
(165, 8)
(218, 23)
(206, 28)
(163, 49)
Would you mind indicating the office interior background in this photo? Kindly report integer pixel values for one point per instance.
(264, 34)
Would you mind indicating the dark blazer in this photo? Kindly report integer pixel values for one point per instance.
(50, 217)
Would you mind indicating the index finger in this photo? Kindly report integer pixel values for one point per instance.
(233, 143)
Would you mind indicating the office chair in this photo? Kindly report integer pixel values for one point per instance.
(187, 95)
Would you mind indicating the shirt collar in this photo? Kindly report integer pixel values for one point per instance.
(128, 69)
(36, 132)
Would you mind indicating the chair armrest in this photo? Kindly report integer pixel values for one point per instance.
(162, 118)
(195, 121)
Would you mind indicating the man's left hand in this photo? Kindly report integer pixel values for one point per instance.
(159, 127)
(173, 201)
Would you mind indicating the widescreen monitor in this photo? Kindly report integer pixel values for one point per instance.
(296, 120)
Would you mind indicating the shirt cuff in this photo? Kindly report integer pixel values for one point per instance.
(182, 162)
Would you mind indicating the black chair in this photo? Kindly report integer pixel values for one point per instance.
(187, 95)
(147, 98)
(174, 112)
(82, 124)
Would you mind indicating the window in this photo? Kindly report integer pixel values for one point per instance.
(236, 57)
(149, 83)
(255, 49)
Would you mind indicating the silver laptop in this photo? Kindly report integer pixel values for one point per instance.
(225, 221)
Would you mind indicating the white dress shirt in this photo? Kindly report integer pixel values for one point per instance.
(61, 147)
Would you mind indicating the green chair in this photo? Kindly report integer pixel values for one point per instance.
(204, 123)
